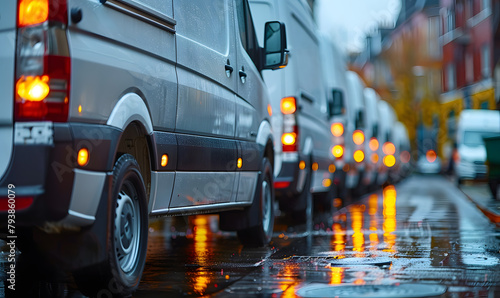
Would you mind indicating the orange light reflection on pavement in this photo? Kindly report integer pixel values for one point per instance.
(389, 225)
(337, 275)
(201, 230)
(358, 237)
(289, 277)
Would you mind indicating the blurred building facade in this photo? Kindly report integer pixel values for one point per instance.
(404, 65)
(467, 42)
(438, 59)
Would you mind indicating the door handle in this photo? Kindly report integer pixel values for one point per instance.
(243, 75)
(229, 70)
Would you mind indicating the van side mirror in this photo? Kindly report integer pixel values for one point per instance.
(336, 105)
(275, 52)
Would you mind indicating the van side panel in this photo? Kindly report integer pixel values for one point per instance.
(7, 60)
(305, 70)
(205, 44)
(106, 63)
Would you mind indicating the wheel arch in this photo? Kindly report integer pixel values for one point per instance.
(265, 139)
(132, 116)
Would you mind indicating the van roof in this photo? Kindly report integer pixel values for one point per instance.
(479, 119)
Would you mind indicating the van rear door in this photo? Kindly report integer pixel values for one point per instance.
(7, 60)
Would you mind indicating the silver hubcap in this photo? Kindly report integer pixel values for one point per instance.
(127, 229)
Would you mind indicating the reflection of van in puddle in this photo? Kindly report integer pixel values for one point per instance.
(473, 125)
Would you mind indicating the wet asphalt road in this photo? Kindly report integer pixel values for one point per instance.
(420, 235)
(423, 231)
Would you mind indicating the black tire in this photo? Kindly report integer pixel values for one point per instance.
(263, 208)
(121, 273)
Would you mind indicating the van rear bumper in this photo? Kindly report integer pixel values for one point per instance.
(45, 179)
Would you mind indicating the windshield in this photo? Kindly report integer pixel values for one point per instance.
(474, 138)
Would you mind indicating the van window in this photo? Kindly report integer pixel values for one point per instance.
(474, 138)
(261, 13)
(206, 22)
(247, 30)
(338, 104)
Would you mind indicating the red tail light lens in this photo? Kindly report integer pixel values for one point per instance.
(43, 64)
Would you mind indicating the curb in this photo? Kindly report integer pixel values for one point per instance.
(492, 216)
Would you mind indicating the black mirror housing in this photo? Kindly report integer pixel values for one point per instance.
(275, 52)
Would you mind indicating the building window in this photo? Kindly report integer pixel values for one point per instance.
(450, 77)
(469, 11)
(484, 105)
(485, 61)
(433, 38)
(485, 4)
(450, 24)
(469, 67)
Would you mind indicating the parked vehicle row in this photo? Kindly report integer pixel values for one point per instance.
(186, 107)
(371, 147)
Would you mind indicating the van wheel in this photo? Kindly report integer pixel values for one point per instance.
(261, 234)
(120, 274)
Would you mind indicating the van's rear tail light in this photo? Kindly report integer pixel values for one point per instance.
(20, 203)
(431, 156)
(281, 184)
(337, 129)
(289, 141)
(338, 151)
(358, 137)
(42, 61)
(290, 136)
(374, 144)
(359, 156)
(389, 160)
(405, 156)
(288, 105)
(388, 148)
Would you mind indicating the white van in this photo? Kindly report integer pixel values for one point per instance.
(300, 116)
(472, 126)
(387, 150)
(342, 123)
(357, 112)
(402, 154)
(372, 143)
(116, 110)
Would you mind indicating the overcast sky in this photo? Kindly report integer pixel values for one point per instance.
(348, 21)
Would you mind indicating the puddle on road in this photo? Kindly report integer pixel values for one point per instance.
(373, 291)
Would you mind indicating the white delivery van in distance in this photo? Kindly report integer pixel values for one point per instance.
(472, 126)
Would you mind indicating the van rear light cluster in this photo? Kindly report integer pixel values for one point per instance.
(358, 137)
(337, 129)
(290, 136)
(42, 61)
(338, 151)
